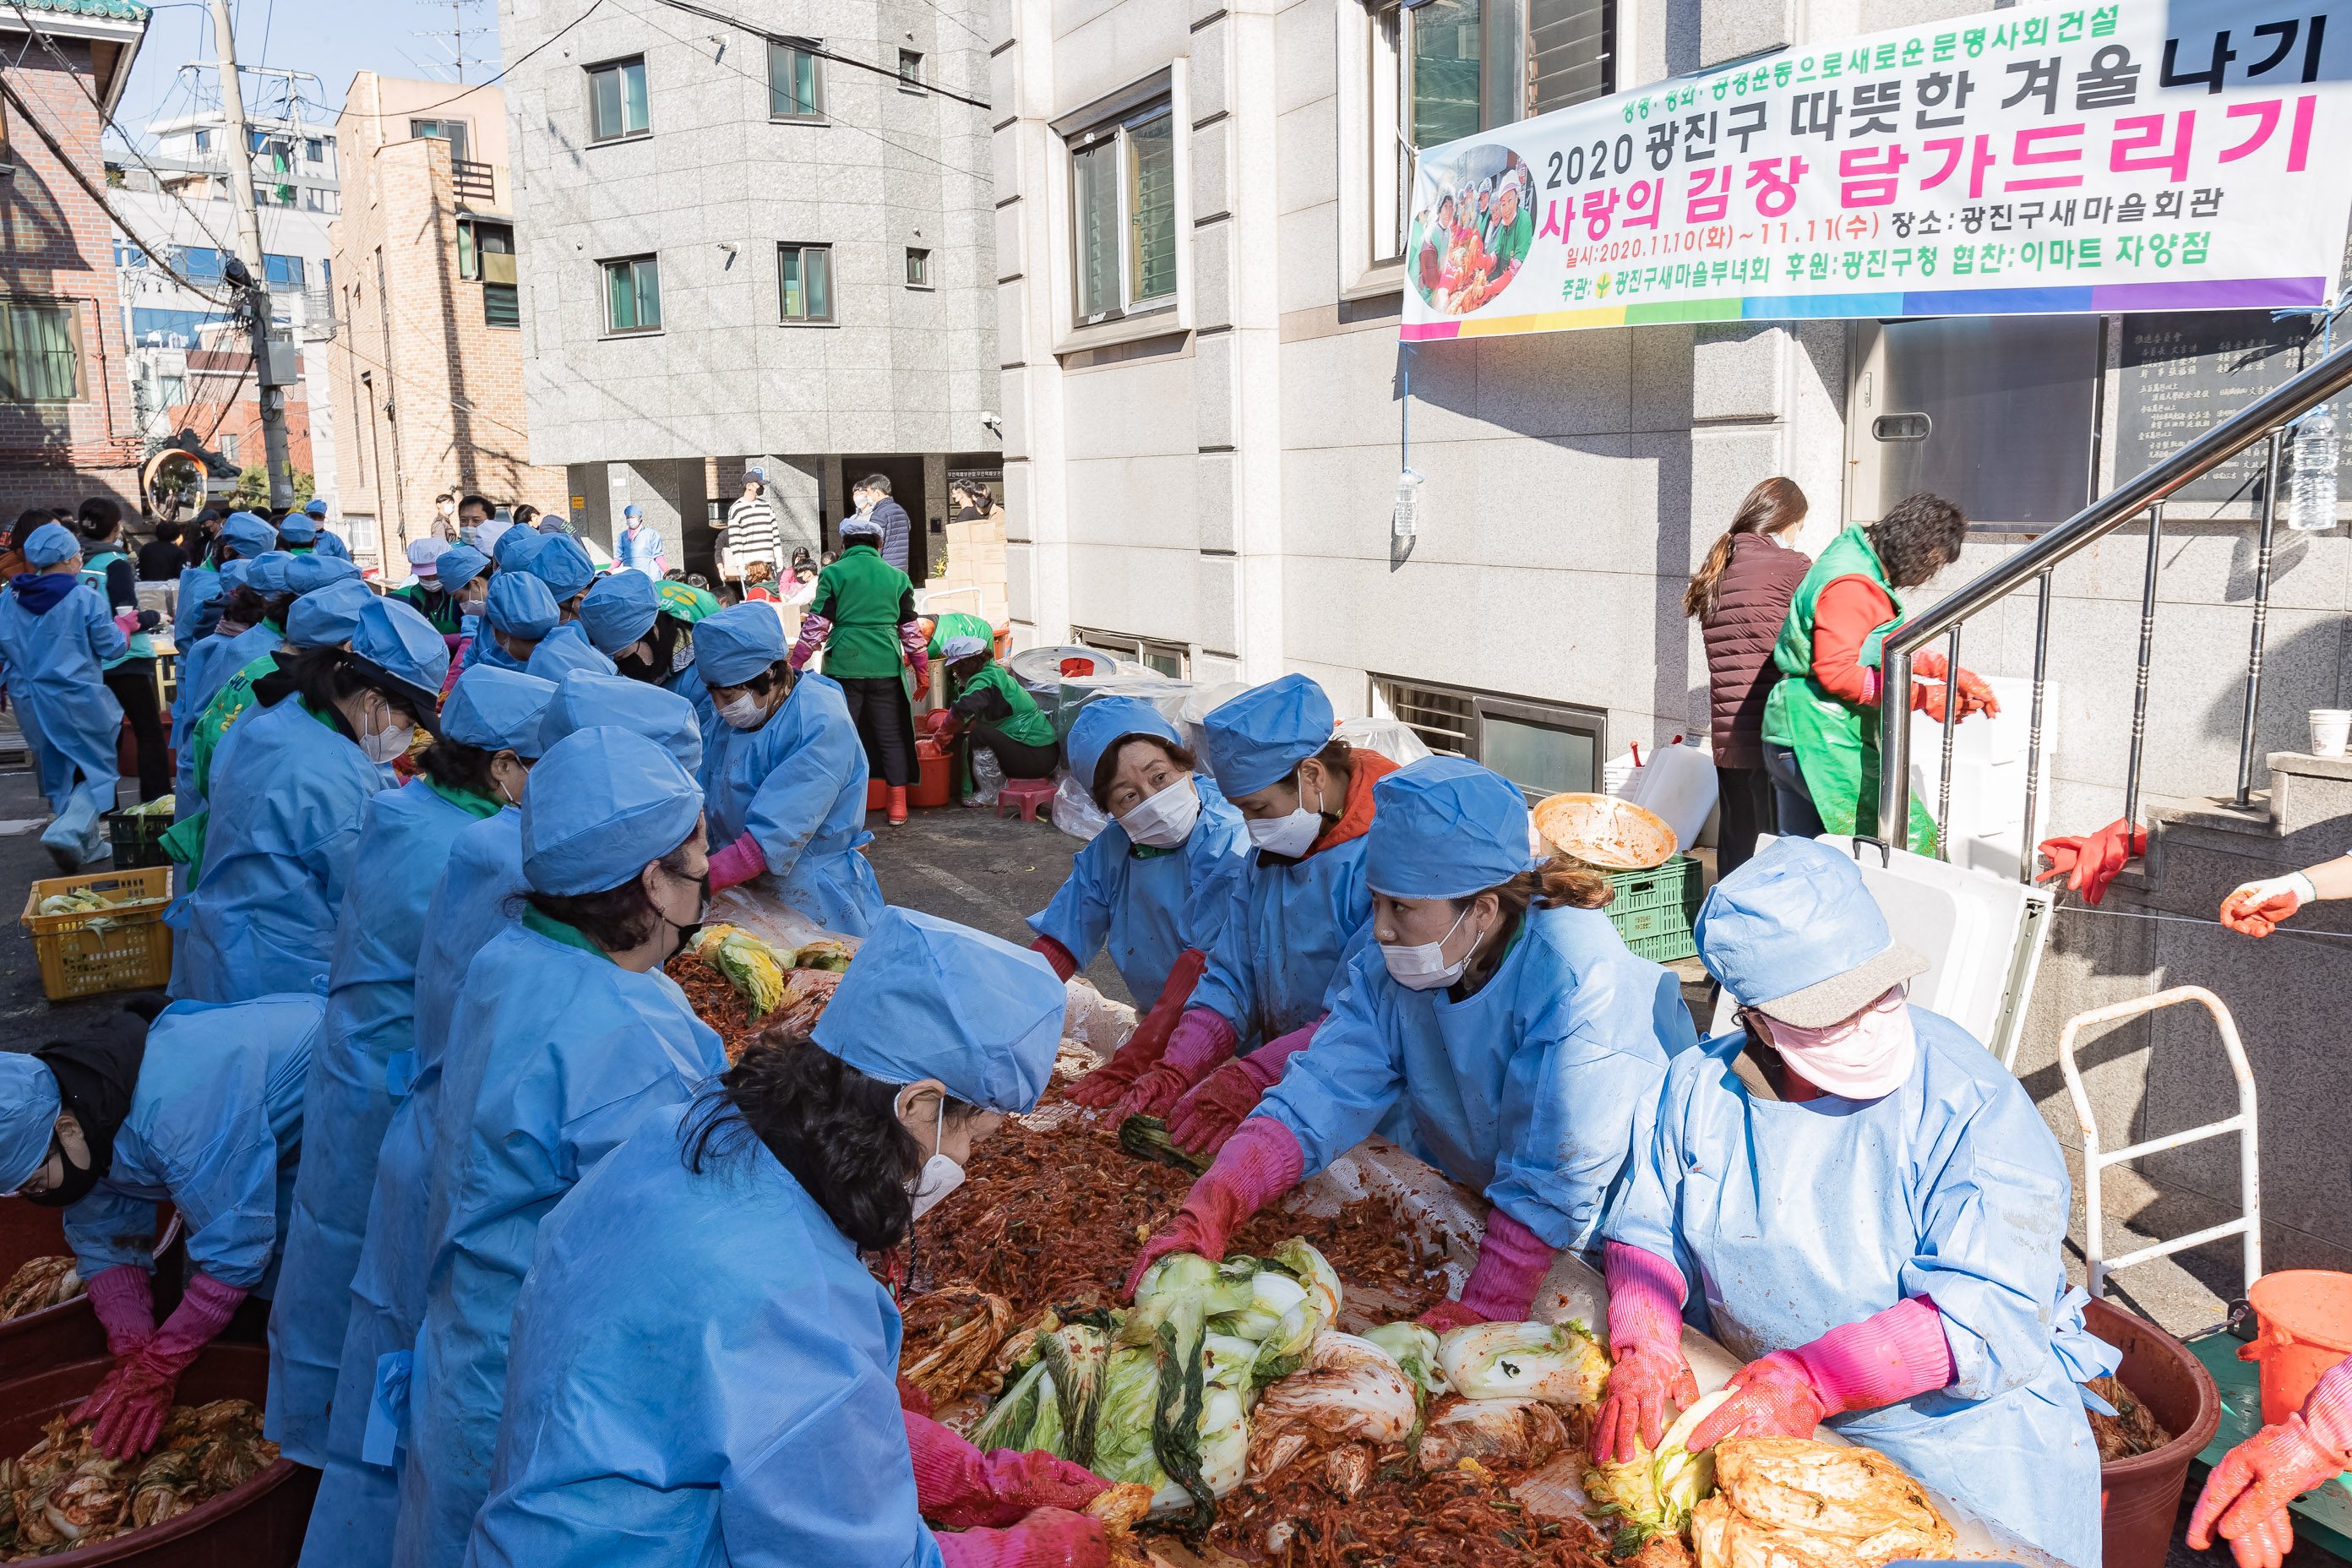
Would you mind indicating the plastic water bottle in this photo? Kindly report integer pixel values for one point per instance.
(1404, 521)
(2311, 504)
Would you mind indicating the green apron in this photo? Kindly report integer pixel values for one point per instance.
(1836, 741)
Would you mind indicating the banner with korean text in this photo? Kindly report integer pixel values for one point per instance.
(2145, 155)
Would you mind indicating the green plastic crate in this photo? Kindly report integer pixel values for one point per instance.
(1654, 909)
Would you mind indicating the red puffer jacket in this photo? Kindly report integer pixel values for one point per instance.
(1750, 602)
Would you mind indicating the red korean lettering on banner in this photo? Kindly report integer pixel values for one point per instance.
(2028, 153)
(1868, 175)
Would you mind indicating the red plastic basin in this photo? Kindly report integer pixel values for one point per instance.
(69, 1331)
(2139, 1497)
(259, 1525)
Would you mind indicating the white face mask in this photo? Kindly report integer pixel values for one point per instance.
(941, 1175)
(1288, 837)
(1864, 1057)
(387, 745)
(1163, 821)
(1423, 966)
(744, 713)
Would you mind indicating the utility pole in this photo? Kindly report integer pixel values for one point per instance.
(273, 357)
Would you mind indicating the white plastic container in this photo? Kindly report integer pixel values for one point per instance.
(2330, 730)
(1677, 782)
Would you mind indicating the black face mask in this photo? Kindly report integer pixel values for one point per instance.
(686, 933)
(637, 667)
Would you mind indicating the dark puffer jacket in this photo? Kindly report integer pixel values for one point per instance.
(1750, 602)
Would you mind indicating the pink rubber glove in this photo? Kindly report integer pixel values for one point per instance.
(1258, 1163)
(1645, 1332)
(1055, 953)
(960, 1486)
(739, 862)
(1200, 1043)
(1048, 1538)
(1512, 1263)
(813, 631)
(124, 1299)
(127, 622)
(1109, 1083)
(1886, 1357)
(1208, 1113)
(2248, 1492)
(918, 652)
(130, 1407)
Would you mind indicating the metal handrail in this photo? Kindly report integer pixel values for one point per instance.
(2103, 516)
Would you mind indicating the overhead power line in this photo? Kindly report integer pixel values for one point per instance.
(759, 31)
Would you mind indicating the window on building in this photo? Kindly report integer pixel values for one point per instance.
(617, 101)
(919, 268)
(1169, 658)
(40, 352)
(199, 264)
(1444, 56)
(485, 253)
(204, 141)
(1123, 205)
(910, 68)
(453, 132)
(804, 283)
(1543, 747)
(285, 271)
(257, 140)
(228, 447)
(1569, 53)
(632, 294)
(795, 82)
(1390, 185)
(170, 329)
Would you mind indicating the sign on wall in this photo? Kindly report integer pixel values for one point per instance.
(2145, 155)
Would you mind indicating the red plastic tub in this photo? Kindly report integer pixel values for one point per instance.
(69, 1331)
(2139, 1497)
(2305, 1320)
(259, 1525)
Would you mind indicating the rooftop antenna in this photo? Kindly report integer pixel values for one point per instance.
(463, 25)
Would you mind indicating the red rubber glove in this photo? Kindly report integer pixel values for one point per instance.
(2255, 909)
(912, 1398)
(124, 1299)
(1109, 1083)
(1257, 1164)
(739, 862)
(1512, 1263)
(2090, 863)
(1884, 1358)
(941, 723)
(1200, 1043)
(1448, 1316)
(130, 1407)
(1645, 1329)
(960, 1486)
(1048, 1538)
(2248, 1492)
(1055, 953)
(1209, 1113)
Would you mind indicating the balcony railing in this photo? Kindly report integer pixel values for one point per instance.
(474, 182)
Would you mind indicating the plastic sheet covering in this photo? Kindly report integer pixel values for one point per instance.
(1074, 811)
(1391, 738)
(1169, 698)
(1199, 702)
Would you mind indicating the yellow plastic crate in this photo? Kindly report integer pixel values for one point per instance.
(125, 948)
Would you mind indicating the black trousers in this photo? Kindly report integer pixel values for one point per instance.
(1018, 760)
(1747, 810)
(877, 705)
(133, 684)
(1792, 798)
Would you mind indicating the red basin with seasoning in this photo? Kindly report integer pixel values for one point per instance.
(257, 1525)
(69, 1331)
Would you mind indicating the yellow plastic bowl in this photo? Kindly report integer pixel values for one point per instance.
(1605, 831)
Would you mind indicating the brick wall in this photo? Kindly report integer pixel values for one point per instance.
(442, 408)
(56, 246)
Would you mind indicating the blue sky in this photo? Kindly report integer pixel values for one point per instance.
(332, 41)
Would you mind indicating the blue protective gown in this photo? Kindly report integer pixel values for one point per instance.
(750, 1418)
(688, 683)
(368, 1051)
(797, 784)
(54, 662)
(1790, 1218)
(1149, 905)
(216, 1129)
(209, 667)
(358, 1497)
(554, 1056)
(1527, 1089)
(1281, 959)
(289, 795)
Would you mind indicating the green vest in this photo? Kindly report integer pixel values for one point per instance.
(861, 594)
(1027, 723)
(960, 623)
(93, 572)
(1836, 741)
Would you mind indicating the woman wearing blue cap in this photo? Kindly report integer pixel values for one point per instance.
(784, 774)
(566, 1035)
(359, 1494)
(635, 1432)
(258, 596)
(517, 611)
(362, 1068)
(647, 634)
(1305, 799)
(566, 651)
(56, 637)
(1855, 1197)
(1499, 1006)
(194, 1105)
(287, 804)
(562, 563)
(109, 568)
(1153, 886)
(242, 537)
